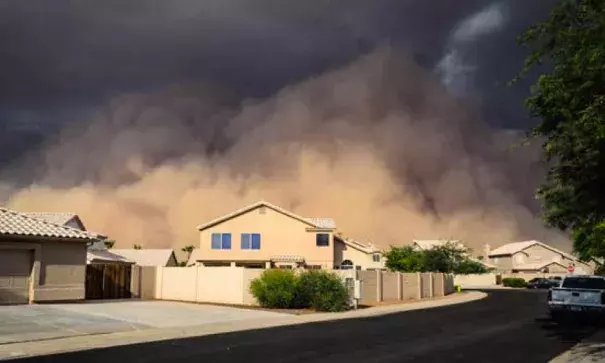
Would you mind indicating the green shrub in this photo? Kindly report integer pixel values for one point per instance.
(276, 289)
(322, 291)
(283, 289)
(514, 282)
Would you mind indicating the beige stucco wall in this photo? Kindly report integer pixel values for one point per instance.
(475, 280)
(148, 282)
(426, 284)
(410, 286)
(220, 284)
(438, 285)
(390, 288)
(502, 262)
(369, 283)
(223, 285)
(280, 235)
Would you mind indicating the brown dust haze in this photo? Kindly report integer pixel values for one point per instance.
(378, 145)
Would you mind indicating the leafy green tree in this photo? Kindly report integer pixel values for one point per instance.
(569, 100)
(468, 266)
(447, 258)
(404, 259)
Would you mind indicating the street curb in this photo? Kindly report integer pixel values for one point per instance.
(584, 351)
(86, 342)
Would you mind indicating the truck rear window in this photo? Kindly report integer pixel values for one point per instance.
(584, 283)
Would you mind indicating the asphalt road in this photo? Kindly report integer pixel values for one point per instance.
(507, 326)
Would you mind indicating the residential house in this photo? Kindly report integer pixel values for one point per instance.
(40, 260)
(148, 257)
(535, 257)
(72, 220)
(263, 235)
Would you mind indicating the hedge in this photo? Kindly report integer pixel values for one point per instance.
(284, 289)
(514, 282)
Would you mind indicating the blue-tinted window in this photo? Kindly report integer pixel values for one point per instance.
(216, 241)
(226, 241)
(221, 241)
(255, 241)
(322, 239)
(245, 241)
(250, 241)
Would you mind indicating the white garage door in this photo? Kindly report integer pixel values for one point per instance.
(15, 270)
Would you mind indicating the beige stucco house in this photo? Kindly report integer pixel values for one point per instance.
(535, 257)
(41, 261)
(263, 235)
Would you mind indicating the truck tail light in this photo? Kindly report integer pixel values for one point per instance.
(550, 295)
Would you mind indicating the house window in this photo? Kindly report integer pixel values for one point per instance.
(322, 239)
(313, 267)
(250, 241)
(221, 241)
(376, 257)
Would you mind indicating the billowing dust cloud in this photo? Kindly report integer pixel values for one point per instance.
(380, 146)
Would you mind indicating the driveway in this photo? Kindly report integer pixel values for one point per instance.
(37, 322)
(507, 326)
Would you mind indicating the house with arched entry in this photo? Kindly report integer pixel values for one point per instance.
(535, 257)
(263, 235)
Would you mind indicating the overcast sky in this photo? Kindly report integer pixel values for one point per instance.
(60, 59)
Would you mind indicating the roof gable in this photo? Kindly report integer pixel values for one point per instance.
(512, 248)
(21, 224)
(365, 248)
(319, 223)
(60, 218)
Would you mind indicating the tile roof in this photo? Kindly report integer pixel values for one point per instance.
(56, 218)
(20, 224)
(363, 247)
(512, 248)
(145, 257)
(105, 256)
(287, 258)
(320, 223)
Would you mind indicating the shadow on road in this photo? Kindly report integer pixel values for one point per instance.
(496, 329)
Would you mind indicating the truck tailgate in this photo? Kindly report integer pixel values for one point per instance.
(576, 296)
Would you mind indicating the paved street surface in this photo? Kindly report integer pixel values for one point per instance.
(507, 326)
(38, 322)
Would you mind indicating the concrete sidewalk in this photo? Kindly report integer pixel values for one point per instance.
(591, 349)
(26, 349)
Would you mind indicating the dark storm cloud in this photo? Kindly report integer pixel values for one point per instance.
(61, 56)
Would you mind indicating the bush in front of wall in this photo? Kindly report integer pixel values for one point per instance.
(285, 289)
(322, 291)
(275, 289)
(514, 282)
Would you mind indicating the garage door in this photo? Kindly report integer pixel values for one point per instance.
(15, 269)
